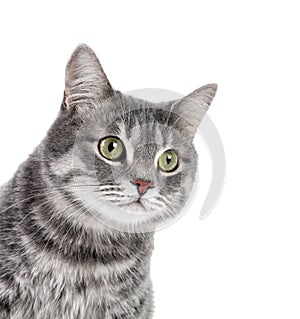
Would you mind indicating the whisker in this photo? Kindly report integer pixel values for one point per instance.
(164, 199)
(47, 192)
(113, 194)
(110, 189)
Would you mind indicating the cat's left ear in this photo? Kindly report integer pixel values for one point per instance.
(84, 79)
(193, 107)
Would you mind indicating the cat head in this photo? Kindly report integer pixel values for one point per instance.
(129, 162)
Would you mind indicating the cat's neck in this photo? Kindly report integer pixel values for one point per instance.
(79, 243)
(51, 225)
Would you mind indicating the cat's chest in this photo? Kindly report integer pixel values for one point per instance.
(63, 290)
(57, 300)
(59, 296)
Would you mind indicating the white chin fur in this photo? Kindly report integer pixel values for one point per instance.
(127, 217)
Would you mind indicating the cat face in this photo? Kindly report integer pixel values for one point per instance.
(132, 162)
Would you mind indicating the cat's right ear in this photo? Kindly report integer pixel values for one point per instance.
(84, 79)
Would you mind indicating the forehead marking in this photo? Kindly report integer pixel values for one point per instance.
(142, 134)
(127, 143)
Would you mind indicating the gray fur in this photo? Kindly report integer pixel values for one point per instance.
(71, 243)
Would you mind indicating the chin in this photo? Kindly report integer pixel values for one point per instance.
(134, 217)
(141, 206)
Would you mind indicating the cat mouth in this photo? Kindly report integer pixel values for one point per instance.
(135, 205)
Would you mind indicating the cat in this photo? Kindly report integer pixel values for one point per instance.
(77, 220)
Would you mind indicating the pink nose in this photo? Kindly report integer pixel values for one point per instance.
(142, 185)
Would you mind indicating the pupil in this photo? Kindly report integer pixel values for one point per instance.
(169, 159)
(111, 146)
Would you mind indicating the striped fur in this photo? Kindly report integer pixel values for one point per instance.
(72, 244)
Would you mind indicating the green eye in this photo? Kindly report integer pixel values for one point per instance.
(168, 161)
(111, 148)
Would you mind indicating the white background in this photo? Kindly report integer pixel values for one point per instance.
(242, 261)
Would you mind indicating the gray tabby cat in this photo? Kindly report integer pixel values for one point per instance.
(78, 217)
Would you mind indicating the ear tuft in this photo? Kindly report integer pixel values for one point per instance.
(193, 107)
(85, 78)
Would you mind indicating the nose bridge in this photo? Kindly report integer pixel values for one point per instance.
(143, 162)
(144, 171)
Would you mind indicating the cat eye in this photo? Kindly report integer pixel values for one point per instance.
(168, 161)
(111, 148)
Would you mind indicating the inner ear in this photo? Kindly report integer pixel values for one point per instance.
(85, 79)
